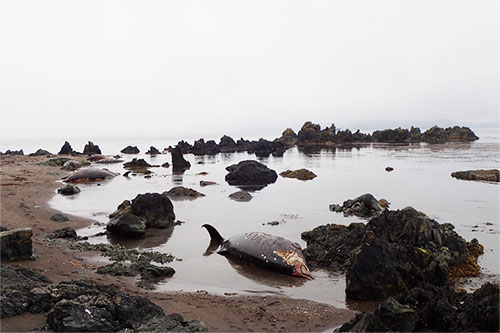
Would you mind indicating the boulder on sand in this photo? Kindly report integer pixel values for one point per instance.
(16, 244)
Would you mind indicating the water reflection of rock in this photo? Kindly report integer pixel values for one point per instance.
(263, 276)
(153, 238)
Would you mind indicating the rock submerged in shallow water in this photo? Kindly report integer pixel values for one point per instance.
(16, 244)
(301, 174)
(127, 225)
(153, 151)
(492, 175)
(130, 150)
(242, 196)
(179, 164)
(250, 173)
(180, 193)
(68, 190)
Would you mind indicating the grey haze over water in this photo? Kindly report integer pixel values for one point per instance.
(244, 68)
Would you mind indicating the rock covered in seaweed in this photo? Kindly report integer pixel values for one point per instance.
(492, 175)
(180, 193)
(393, 252)
(363, 206)
(301, 174)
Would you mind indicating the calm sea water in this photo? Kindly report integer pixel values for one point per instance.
(421, 179)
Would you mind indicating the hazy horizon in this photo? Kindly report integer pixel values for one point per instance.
(181, 68)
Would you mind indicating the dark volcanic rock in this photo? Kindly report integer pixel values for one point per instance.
(130, 150)
(137, 164)
(90, 148)
(179, 164)
(155, 208)
(492, 175)
(68, 190)
(398, 135)
(227, 145)
(41, 152)
(200, 147)
(153, 151)
(13, 152)
(288, 137)
(309, 133)
(440, 135)
(66, 149)
(393, 252)
(65, 232)
(16, 244)
(250, 173)
(127, 225)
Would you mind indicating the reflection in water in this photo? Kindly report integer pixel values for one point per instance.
(153, 238)
(212, 247)
(263, 276)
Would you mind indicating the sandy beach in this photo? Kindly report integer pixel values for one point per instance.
(26, 188)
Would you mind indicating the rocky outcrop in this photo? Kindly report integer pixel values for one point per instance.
(41, 152)
(181, 193)
(130, 150)
(441, 135)
(68, 190)
(66, 149)
(250, 173)
(492, 175)
(154, 208)
(288, 137)
(301, 174)
(433, 309)
(90, 148)
(146, 270)
(127, 225)
(153, 151)
(200, 147)
(394, 252)
(398, 135)
(137, 165)
(363, 206)
(66, 232)
(16, 244)
(227, 144)
(179, 164)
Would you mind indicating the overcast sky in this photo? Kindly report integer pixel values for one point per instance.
(153, 68)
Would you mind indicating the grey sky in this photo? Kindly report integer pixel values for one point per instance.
(86, 68)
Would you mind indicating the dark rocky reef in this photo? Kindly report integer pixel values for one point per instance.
(250, 173)
(16, 244)
(90, 148)
(13, 152)
(41, 152)
(431, 308)
(179, 164)
(66, 149)
(156, 210)
(492, 175)
(130, 150)
(153, 151)
(394, 252)
(84, 306)
(441, 135)
(398, 135)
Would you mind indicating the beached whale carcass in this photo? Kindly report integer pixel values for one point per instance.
(89, 175)
(271, 252)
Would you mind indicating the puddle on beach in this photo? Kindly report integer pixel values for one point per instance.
(421, 179)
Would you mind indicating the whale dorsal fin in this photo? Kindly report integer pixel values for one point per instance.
(214, 234)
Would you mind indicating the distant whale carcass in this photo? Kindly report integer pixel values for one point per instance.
(89, 175)
(271, 252)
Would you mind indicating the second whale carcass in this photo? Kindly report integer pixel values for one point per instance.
(271, 252)
(89, 175)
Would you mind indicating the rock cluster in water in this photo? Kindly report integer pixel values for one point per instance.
(251, 173)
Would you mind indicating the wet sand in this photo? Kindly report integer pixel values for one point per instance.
(26, 187)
